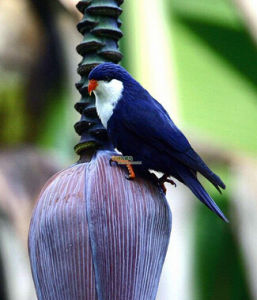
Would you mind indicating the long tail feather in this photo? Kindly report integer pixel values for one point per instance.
(212, 177)
(195, 186)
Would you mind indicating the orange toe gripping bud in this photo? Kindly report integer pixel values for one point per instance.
(127, 163)
(132, 174)
(164, 179)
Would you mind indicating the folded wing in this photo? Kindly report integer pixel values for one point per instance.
(148, 119)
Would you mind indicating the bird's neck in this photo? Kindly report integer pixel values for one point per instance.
(107, 98)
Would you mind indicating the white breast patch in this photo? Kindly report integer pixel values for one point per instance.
(107, 96)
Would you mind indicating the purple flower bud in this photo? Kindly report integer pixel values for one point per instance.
(96, 235)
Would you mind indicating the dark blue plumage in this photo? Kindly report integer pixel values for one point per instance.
(140, 127)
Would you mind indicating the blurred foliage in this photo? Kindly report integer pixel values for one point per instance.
(216, 66)
(219, 270)
(57, 126)
(3, 283)
(35, 104)
(216, 62)
(12, 112)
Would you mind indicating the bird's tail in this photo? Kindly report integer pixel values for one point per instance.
(195, 186)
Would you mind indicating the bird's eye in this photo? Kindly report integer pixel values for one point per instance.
(108, 79)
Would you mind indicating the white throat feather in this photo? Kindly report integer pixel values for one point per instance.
(107, 95)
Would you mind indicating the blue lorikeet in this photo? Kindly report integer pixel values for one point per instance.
(140, 127)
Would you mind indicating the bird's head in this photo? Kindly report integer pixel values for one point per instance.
(108, 78)
(111, 83)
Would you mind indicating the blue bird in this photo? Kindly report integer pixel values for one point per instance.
(140, 127)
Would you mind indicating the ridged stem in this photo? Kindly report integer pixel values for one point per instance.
(100, 27)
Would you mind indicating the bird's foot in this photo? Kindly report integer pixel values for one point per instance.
(131, 174)
(162, 181)
(118, 160)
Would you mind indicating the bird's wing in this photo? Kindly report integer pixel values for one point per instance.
(149, 120)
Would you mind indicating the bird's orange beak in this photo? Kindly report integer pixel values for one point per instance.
(92, 86)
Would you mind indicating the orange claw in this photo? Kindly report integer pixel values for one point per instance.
(164, 179)
(132, 174)
(119, 160)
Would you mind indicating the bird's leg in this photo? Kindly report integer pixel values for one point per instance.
(131, 172)
(164, 179)
(121, 161)
(152, 177)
